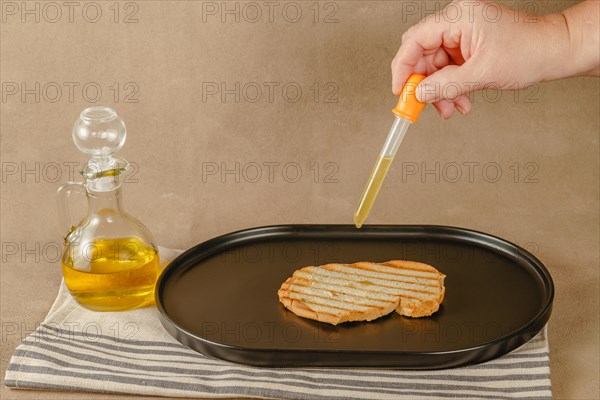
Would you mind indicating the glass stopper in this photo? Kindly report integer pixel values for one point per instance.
(99, 132)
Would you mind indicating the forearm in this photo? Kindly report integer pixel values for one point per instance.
(583, 23)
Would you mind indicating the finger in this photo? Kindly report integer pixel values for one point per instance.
(409, 59)
(463, 104)
(454, 41)
(455, 54)
(426, 36)
(445, 108)
(450, 83)
(439, 60)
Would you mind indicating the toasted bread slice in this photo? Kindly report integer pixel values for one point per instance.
(336, 293)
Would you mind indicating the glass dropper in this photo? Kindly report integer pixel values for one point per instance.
(407, 112)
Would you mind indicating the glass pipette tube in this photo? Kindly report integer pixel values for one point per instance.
(407, 111)
(393, 141)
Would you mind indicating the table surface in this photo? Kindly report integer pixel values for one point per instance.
(574, 352)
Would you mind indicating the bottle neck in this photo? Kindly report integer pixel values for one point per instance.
(100, 200)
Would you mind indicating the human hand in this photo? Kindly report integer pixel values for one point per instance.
(470, 45)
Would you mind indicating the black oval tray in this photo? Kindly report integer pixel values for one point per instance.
(220, 298)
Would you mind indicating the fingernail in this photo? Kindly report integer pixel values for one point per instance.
(460, 109)
(425, 92)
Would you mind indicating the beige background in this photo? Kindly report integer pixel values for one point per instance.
(549, 134)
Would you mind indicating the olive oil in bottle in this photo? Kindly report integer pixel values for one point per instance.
(117, 274)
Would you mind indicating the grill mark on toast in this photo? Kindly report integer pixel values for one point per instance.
(320, 308)
(376, 289)
(397, 268)
(376, 284)
(317, 276)
(307, 298)
(330, 295)
(427, 281)
(373, 288)
(369, 279)
(366, 274)
(327, 284)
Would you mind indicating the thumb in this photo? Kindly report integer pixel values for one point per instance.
(448, 83)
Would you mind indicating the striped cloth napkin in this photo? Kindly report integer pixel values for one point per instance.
(129, 352)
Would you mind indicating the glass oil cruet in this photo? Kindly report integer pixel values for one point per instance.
(110, 260)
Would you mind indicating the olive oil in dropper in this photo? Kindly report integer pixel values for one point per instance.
(407, 111)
